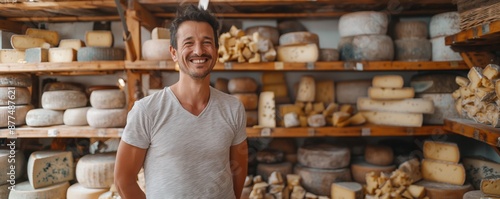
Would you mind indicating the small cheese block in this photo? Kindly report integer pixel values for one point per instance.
(298, 53)
(63, 99)
(25, 190)
(76, 116)
(360, 168)
(307, 89)
(316, 120)
(107, 118)
(416, 191)
(325, 91)
(23, 42)
(99, 38)
(412, 169)
(328, 54)
(275, 178)
(71, 43)
(476, 194)
(291, 120)
(379, 155)
(478, 168)
(347, 190)
(265, 170)
(415, 105)
(61, 55)
(4, 191)
(348, 92)
(394, 119)
(444, 24)
(108, 99)
(12, 56)
(444, 172)
(158, 49)
(434, 83)
(363, 23)
(324, 156)
(491, 185)
(388, 81)
(413, 50)
(287, 26)
(270, 156)
(44, 117)
(377, 93)
(242, 85)
(100, 54)
(366, 48)
(280, 90)
(221, 84)
(435, 190)
(491, 71)
(51, 37)
(19, 114)
(36, 55)
(46, 168)
(444, 151)
(273, 78)
(296, 38)
(12, 165)
(252, 118)
(267, 32)
(160, 33)
(77, 191)
(14, 96)
(96, 171)
(267, 115)
(411, 30)
(314, 179)
(442, 52)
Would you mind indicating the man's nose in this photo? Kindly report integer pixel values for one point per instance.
(198, 49)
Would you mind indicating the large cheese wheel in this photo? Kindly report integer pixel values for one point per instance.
(434, 83)
(379, 155)
(360, 168)
(319, 181)
(12, 56)
(441, 171)
(444, 24)
(99, 38)
(242, 85)
(57, 86)
(107, 99)
(62, 100)
(324, 156)
(24, 190)
(265, 170)
(328, 54)
(19, 114)
(36, 55)
(77, 191)
(348, 92)
(23, 42)
(14, 96)
(16, 160)
(298, 53)
(366, 48)
(96, 170)
(363, 23)
(413, 105)
(388, 81)
(378, 93)
(442, 52)
(107, 118)
(44, 117)
(307, 89)
(435, 190)
(290, 26)
(252, 118)
(295, 38)
(444, 107)
(76, 116)
(46, 168)
(410, 30)
(4, 191)
(98, 53)
(413, 50)
(13, 79)
(442, 151)
(478, 168)
(62, 55)
(51, 37)
(267, 32)
(156, 49)
(249, 100)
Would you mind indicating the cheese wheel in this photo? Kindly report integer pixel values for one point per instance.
(25, 190)
(298, 53)
(287, 145)
(324, 156)
(108, 99)
(46, 168)
(71, 43)
(36, 55)
(413, 50)
(242, 85)
(12, 56)
(442, 52)
(160, 33)
(99, 38)
(319, 181)
(441, 171)
(23, 42)
(221, 84)
(76, 116)
(348, 92)
(252, 118)
(366, 48)
(96, 171)
(100, 54)
(307, 89)
(410, 30)
(363, 23)
(44, 117)
(435, 190)
(360, 168)
(158, 49)
(297, 38)
(378, 93)
(107, 118)
(51, 37)
(414, 105)
(77, 191)
(62, 55)
(478, 168)
(15, 79)
(393, 118)
(434, 83)
(388, 81)
(290, 26)
(249, 100)
(344, 190)
(267, 110)
(270, 156)
(62, 100)
(8, 159)
(267, 32)
(57, 86)
(14, 96)
(328, 54)
(444, 24)
(379, 155)
(19, 114)
(265, 170)
(325, 91)
(4, 191)
(443, 151)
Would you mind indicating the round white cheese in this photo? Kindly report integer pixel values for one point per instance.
(411, 30)
(96, 170)
(249, 100)
(44, 117)
(413, 50)
(360, 168)
(64, 99)
(444, 24)
(324, 156)
(76, 116)
(267, 32)
(366, 48)
(19, 113)
(296, 38)
(328, 54)
(363, 23)
(156, 49)
(319, 181)
(14, 96)
(106, 118)
(24, 190)
(13, 79)
(108, 99)
(298, 53)
(442, 52)
(77, 191)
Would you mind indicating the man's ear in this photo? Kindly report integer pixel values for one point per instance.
(173, 53)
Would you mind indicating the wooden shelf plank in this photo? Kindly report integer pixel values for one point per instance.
(471, 129)
(62, 131)
(59, 67)
(487, 34)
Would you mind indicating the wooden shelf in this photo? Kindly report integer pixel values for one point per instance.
(484, 35)
(62, 131)
(68, 68)
(469, 128)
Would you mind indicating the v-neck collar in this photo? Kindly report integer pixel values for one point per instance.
(186, 111)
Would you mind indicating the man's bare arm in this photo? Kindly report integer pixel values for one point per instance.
(129, 160)
(239, 166)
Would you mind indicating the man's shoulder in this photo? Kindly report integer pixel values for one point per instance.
(227, 98)
(152, 99)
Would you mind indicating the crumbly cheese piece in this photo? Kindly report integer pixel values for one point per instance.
(316, 120)
(108, 99)
(12, 56)
(298, 53)
(23, 42)
(160, 33)
(63, 99)
(158, 49)
(391, 93)
(107, 118)
(347, 190)
(96, 170)
(264, 170)
(59, 55)
(275, 178)
(76, 44)
(46, 168)
(412, 169)
(445, 172)
(25, 190)
(491, 71)
(394, 119)
(415, 105)
(444, 151)
(363, 23)
(77, 191)
(99, 38)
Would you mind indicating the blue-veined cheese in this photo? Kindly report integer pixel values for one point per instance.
(46, 168)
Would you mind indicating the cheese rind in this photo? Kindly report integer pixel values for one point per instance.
(44, 117)
(313, 179)
(347, 190)
(413, 50)
(23, 42)
(444, 172)
(444, 191)
(24, 190)
(379, 155)
(324, 156)
(76, 44)
(491, 186)
(14, 96)
(96, 170)
(265, 170)
(99, 38)
(242, 85)
(411, 30)
(51, 37)
(63, 99)
(106, 118)
(77, 191)
(394, 119)
(444, 151)
(388, 81)
(62, 55)
(441, 52)
(298, 53)
(108, 99)
(363, 23)
(296, 38)
(100, 54)
(12, 56)
(366, 48)
(46, 168)
(360, 168)
(412, 168)
(391, 93)
(76, 116)
(267, 32)
(414, 105)
(444, 24)
(158, 49)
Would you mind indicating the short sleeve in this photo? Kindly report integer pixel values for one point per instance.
(241, 125)
(137, 132)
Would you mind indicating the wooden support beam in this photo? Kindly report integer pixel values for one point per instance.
(133, 87)
(148, 20)
(13, 27)
(64, 19)
(77, 5)
(133, 46)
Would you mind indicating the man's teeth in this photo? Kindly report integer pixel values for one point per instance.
(199, 61)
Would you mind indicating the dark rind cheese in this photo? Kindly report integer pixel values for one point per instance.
(100, 54)
(18, 80)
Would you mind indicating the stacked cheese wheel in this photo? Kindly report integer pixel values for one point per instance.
(13, 165)
(15, 98)
(479, 168)
(99, 47)
(411, 41)
(377, 159)
(108, 109)
(158, 47)
(245, 89)
(443, 25)
(298, 47)
(363, 37)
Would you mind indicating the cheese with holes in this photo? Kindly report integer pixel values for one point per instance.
(444, 172)
(296, 38)
(388, 81)
(477, 168)
(412, 169)
(160, 33)
(4, 191)
(44, 117)
(413, 50)
(249, 100)
(307, 89)
(314, 179)
(107, 118)
(76, 116)
(328, 54)
(100, 54)
(12, 165)
(23, 42)
(377, 93)
(46, 168)
(325, 91)
(108, 99)
(360, 168)
(12, 56)
(414, 105)
(267, 115)
(348, 92)
(36, 55)
(491, 186)
(61, 55)
(411, 30)
(379, 155)
(363, 23)
(435, 190)
(77, 191)
(280, 89)
(96, 170)
(267, 32)
(444, 24)
(99, 38)
(242, 85)
(158, 49)
(394, 119)
(25, 190)
(265, 170)
(76, 44)
(15, 79)
(324, 156)
(50, 36)
(14, 96)
(347, 190)
(19, 114)
(366, 48)
(298, 53)
(442, 52)
(444, 151)
(252, 118)
(63, 99)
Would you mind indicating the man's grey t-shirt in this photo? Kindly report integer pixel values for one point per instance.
(188, 155)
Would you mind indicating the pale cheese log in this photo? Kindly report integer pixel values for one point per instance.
(435, 190)
(273, 78)
(363, 23)
(265, 170)
(360, 168)
(324, 156)
(46, 168)
(76, 116)
(77, 191)
(379, 155)
(307, 89)
(158, 49)
(366, 48)
(478, 168)
(96, 170)
(491, 186)
(267, 115)
(414, 105)
(51, 37)
(12, 56)
(44, 117)
(12, 165)
(314, 179)
(444, 24)
(394, 119)
(160, 33)
(328, 54)
(280, 90)
(267, 32)
(444, 151)
(24, 190)
(71, 43)
(4, 191)
(296, 38)
(249, 100)
(441, 52)
(347, 190)
(36, 55)
(444, 172)
(242, 85)
(108, 99)
(99, 38)
(252, 118)
(377, 93)
(19, 114)
(325, 91)
(413, 50)
(412, 169)
(388, 81)
(434, 83)
(62, 55)
(64, 99)
(348, 92)
(106, 118)
(23, 42)
(298, 53)
(411, 30)
(14, 96)
(100, 54)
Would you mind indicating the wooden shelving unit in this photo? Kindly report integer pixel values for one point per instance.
(61, 131)
(471, 129)
(70, 67)
(484, 35)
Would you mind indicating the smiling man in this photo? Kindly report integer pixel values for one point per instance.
(190, 138)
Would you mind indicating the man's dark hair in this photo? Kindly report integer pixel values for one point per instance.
(193, 13)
